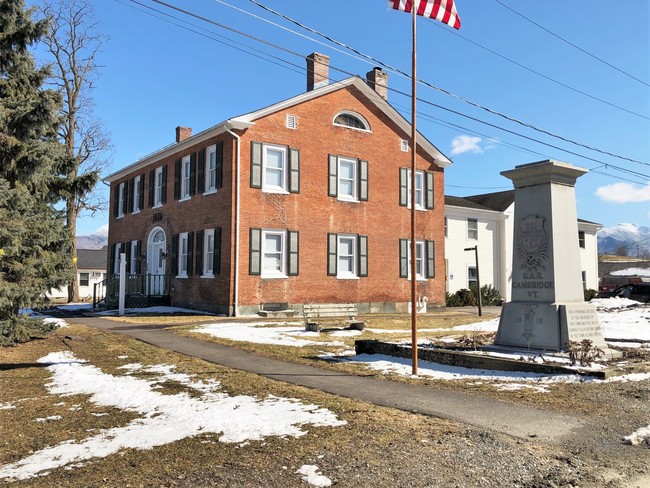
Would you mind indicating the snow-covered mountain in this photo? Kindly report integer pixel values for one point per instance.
(628, 236)
(96, 240)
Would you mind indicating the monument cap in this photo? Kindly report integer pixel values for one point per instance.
(541, 172)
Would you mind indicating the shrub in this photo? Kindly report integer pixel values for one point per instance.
(490, 296)
(15, 330)
(467, 298)
(590, 293)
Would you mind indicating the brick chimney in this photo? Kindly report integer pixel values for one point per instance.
(378, 81)
(317, 70)
(183, 133)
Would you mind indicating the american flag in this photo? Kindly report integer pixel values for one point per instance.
(442, 10)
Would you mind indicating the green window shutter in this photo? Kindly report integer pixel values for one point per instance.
(141, 190)
(431, 258)
(332, 181)
(111, 264)
(152, 182)
(116, 200)
(332, 243)
(177, 179)
(294, 256)
(256, 164)
(294, 170)
(219, 159)
(363, 180)
(138, 258)
(403, 190)
(255, 252)
(175, 255)
(164, 184)
(125, 200)
(130, 202)
(190, 253)
(216, 257)
(429, 189)
(201, 172)
(403, 258)
(199, 252)
(363, 255)
(192, 173)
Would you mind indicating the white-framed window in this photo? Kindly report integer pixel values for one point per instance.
(211, 169)
(351, 120)
(158, 187)
(472, 278)
(274, 168)
(472, 229)
(137, 181)
(182, 254)
(116, 262)
(347, 257)
(120, 201)
(186, 176)
(446, 226)
(584, 280)
(404, 145)
(84, 279)
(419, 190)
(274, 254)
(425, 260)
(208, 253)
(348, 182)
(134, 256)
(581, 239)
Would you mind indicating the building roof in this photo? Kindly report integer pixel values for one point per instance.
(91, 258)
(246, 121)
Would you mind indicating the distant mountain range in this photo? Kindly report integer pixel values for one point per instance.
(96, 240)
(628, 238)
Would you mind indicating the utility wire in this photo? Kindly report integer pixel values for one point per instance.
(429, 85)
(570, 43)
(542, 75)
(391, 89)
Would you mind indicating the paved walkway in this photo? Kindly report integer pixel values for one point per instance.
(516, 420)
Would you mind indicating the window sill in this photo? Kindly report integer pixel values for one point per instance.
(418, 209)
(348, 200)
(157, 205)
(210, 192)
(207, 276)
(273, 277)
(347, 277)
(135, 212)
(277, 191)
(181, 276)
(185, 198)
(120, 216)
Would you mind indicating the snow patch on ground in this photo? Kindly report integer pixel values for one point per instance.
(632, 272)
(163, 418)
(312, 477)
(259, 333)
(641, 436)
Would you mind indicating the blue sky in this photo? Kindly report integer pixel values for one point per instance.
(156, 76)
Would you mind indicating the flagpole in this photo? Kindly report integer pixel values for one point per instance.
(414, 311)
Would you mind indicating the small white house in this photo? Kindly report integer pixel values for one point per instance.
(486, 221)
(91, 269)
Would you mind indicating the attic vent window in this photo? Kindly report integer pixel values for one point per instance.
(292, 122)
(404, 145)
(351, 120)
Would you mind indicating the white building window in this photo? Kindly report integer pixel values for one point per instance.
(404, 145)
(158, 188)
(137, 193)
(581, 239)
(351, 120)
(182, 254)
(425, 262)
(211, 170)
(186, 175)
(274, 173)
(419, 260)
(208, 253)
(84, 279)
(347, 257)
(348, 182)
(273, 254)
(120, 201)
(419, 190)
(472, 278)
(472, 229)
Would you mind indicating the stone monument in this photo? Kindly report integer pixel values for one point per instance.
(547, 308)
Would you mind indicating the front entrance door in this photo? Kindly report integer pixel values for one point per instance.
(156, 261)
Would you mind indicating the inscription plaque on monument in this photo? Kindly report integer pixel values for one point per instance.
(547, 310)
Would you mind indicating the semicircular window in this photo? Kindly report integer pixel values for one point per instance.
(348, 119)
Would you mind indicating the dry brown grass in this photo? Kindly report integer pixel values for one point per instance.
(368, 435)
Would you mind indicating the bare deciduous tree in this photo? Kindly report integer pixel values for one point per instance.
(74, 42)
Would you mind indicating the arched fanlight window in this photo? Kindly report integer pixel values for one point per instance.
(351, 120)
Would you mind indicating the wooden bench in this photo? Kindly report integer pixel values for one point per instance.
(317, 313)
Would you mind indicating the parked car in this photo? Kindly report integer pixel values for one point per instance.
(634, 291)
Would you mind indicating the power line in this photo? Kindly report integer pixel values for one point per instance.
(542, 75)
(276, 46)
(570, 43)
(429, 85)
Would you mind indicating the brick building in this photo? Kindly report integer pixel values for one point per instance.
(306, 200)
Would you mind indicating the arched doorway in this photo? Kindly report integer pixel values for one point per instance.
(156, 261)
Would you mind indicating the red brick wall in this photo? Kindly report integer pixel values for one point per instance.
(311, 212)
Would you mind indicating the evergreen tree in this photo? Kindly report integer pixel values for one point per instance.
(32, 232)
